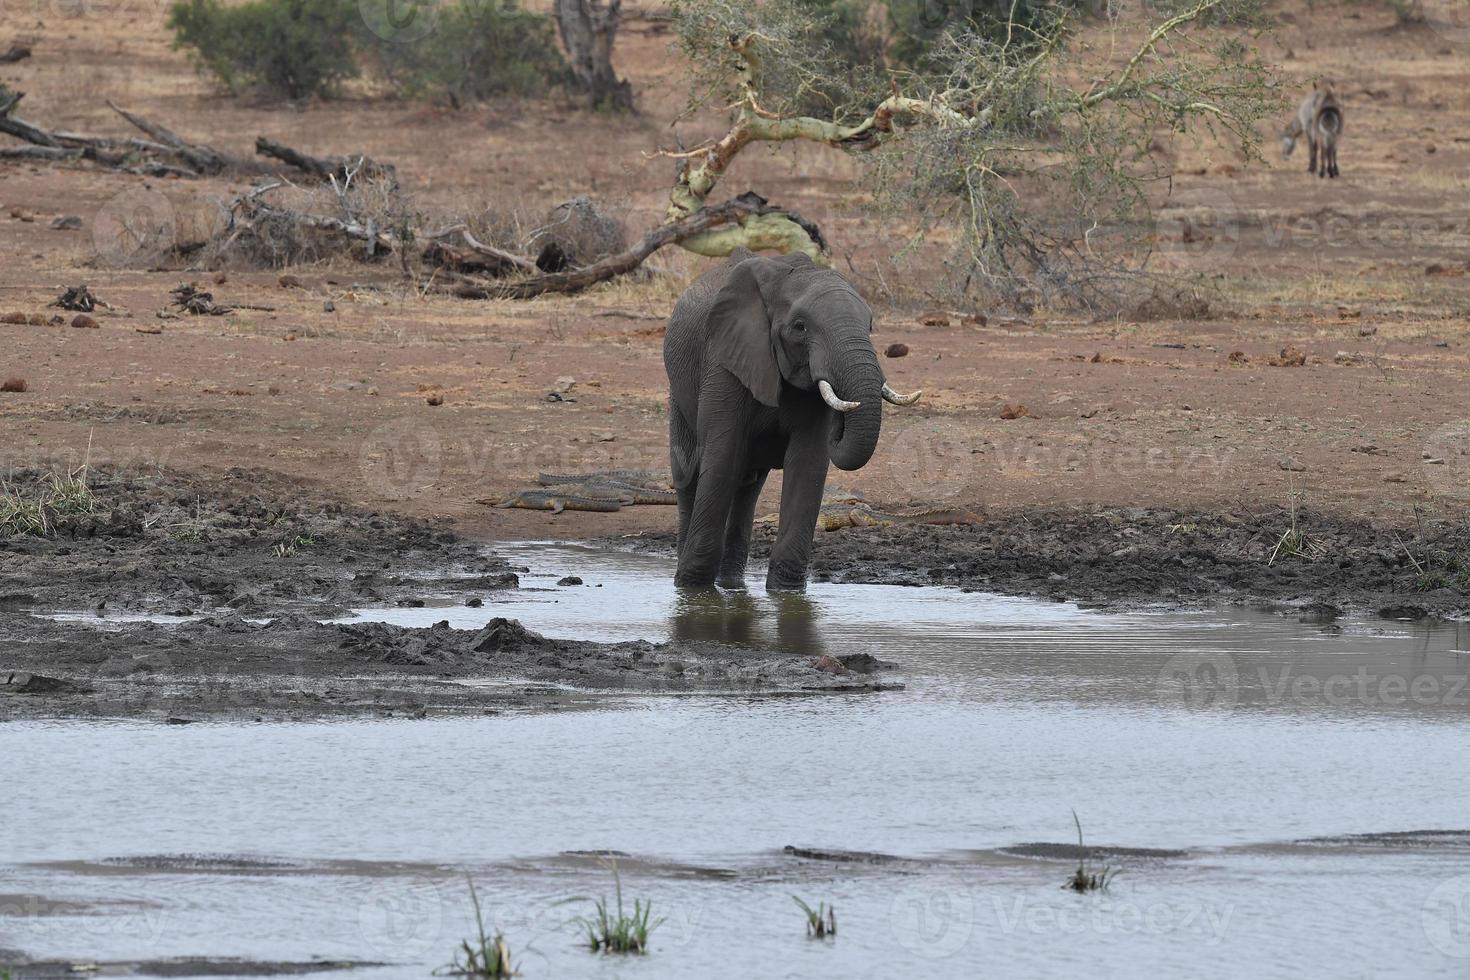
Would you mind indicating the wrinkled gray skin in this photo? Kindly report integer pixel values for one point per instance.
(745, 347)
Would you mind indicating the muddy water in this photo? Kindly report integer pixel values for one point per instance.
(1267, 784)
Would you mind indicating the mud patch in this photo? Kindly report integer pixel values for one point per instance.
(1122, 558)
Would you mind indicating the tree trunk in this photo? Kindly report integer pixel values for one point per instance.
(588, 28)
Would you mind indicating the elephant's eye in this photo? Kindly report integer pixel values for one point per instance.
(799, 326)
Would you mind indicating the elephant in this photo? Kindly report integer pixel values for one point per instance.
(770, 366)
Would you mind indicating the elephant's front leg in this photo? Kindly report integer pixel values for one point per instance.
(804, 478)
(737, 532)
(722, 464)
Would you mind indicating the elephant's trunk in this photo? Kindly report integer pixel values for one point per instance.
(856, 377)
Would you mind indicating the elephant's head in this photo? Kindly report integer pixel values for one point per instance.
(789, 320)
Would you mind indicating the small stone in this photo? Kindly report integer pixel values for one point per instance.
(328, 306)
(896, 350)
(475, 602)
(14, 385)
(19, 318)
(564, 384)
(84, 322)
(1016, 411)
(569, 580)
(436, 399)
(220, 278)
(1293, 464)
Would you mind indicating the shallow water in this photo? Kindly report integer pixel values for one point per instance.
(1229, 738)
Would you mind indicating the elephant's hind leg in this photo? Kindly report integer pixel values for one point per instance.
(737, 532)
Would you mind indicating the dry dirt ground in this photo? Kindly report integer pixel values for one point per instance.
(1365, 276)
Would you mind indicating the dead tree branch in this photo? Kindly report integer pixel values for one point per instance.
(741, 210)
(326, 168)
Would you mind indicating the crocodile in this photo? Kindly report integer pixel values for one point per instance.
(558, 499)
(835, 516)
(641, 486)
(640, 478)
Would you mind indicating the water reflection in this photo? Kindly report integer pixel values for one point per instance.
(785, 621)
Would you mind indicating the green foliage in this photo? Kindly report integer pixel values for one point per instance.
(468, 49)
(1084, 879)
(821, 922)
(290, 48)
(483, 957)
(614, 931)
(478, 50)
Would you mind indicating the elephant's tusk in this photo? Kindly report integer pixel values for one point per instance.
(830, 397)
(894, 398)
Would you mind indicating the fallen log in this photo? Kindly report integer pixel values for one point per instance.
(341, 168)
(735, 211)
(202, 158)
(475, 256)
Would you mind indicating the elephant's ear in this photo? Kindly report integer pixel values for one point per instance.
(739, 328)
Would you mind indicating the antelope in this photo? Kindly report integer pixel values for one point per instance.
(1319, 119)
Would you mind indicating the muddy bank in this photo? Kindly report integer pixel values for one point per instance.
(1132, 557)
(245, 540)
(293, 667)
(251, 563)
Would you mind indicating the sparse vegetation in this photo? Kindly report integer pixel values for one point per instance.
(299, 49)
(821, 922)
(289, 547)
(484, 956)
(612, 930)
(1294, 541)
(996, 124)
(35, 510)
(479, 51)
(1085, 879)
(294, 49)
(70, 493)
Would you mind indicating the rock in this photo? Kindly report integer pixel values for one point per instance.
(475, 602)
(569, 580)
(1016, 411)
(14, 385)
(1289, 357)
(84, 322)
(501, 633)
(328, 306)
(23, 682)
(896, 350)
(1293, 464)
(564, 384)
(435, 399)
(17, 318)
